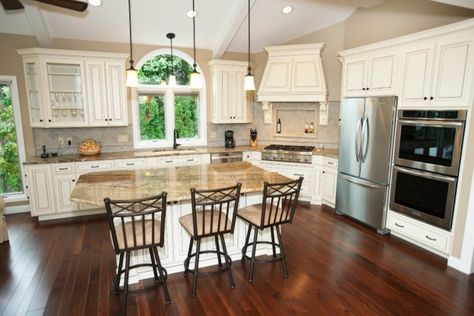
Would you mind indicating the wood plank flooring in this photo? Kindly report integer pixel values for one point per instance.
(336, 267)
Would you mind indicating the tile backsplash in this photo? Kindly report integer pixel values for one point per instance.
(328, 135)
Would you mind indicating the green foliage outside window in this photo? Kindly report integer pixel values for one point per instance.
(158, 69)
(152, 107)
(10, 175)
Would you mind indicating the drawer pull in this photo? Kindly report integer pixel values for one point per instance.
(62, 169)
(130, 164)
(192, 159)
(94, 167)
(330, 163)
(430, 238)
(168, 161)
(398, 225)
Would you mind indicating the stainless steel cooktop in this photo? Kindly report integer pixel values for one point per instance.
(288, 153)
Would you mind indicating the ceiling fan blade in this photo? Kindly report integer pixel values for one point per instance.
(67, 4)
(12, 4)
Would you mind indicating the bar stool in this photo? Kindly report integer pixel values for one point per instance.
(134, 225)
(213, 215)
(277, 208)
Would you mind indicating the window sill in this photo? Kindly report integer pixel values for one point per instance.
(14, 198)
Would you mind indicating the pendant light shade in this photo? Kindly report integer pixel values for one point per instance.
(172, 77)
(196, 79)
(249, 83)
(132, 73)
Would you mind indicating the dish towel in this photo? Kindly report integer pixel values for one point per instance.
(3, 223)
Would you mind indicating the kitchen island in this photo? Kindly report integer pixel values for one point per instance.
(93, 187)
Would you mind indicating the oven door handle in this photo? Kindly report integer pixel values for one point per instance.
(432, 123)
(424, 174)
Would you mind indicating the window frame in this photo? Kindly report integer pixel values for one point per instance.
(169, 93)
(11, 80)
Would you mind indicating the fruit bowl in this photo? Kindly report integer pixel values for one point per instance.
(90, 147)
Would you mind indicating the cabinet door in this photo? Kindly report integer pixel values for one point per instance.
(223, 99)
(452, 79)
(317, 172)
(277, 75)
(96, 93)
(239, 102)
(328, 185)
(41, 190)
(66, 92)
(116, 94)
(63, 185)
(382, 74)
(417, 64)
(306, 75)
(34, 91)
(355, 76)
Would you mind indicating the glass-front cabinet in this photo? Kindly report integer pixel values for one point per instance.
(64, 91)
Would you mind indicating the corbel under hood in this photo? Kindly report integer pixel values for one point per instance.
(293, 73)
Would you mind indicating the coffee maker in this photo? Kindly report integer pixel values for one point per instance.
(229, 139)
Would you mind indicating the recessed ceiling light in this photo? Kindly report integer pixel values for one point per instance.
(287, 10)
(191, 14)
(95, 3)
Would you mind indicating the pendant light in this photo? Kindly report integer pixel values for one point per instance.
(172, 77)
(132, 73)
(249, 82)
(196, 80)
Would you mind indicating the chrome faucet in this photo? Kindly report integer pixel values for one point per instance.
(175, 136)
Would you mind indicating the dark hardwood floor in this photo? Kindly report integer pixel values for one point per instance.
(336, 267)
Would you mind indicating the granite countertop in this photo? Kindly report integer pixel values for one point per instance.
(93, 187)
(333, 153)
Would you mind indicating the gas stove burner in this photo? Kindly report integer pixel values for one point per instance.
(290, 148)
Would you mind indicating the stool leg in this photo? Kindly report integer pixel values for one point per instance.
(117, 276)
(196, 267)
(218, 252)
(154, 264)
(162, 277)
(282, 253)
(244, 248)
(254, 248)
(227, 262)
(125, 283)
(273, 242)
(186, 261)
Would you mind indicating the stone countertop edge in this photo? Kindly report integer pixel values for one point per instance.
(331, 153)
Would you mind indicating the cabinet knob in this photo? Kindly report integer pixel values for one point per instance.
(366, 88)
(73, 180)
(110, 119)
(363, 89)
(431, 98)
(425, 98)
(106, 120)
(324, 171)
(41, 120)
(49, 121)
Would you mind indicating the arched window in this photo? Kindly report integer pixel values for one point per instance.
(160, 108)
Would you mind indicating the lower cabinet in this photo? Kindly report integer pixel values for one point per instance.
(40, 189)
(63, 186)
(328, 185)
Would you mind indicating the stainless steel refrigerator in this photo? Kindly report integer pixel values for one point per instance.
(365, 154)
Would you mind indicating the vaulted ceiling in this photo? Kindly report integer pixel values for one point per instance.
(221, 25)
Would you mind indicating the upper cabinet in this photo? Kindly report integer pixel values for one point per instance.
(370, 74)
(74, 88)
(435, 73)
(230, 102)
(293, 73)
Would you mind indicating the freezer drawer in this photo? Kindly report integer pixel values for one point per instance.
(361, 200)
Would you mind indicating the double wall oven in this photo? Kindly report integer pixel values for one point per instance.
(426, 164)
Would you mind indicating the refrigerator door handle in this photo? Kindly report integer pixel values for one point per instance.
(357, 140)
(367, 185)
(366, 139)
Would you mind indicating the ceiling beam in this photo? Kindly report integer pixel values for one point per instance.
(236, 16)
(38, 26)
(469, 4)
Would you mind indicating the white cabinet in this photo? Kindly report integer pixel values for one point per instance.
(253, 157)
(63, 186)
(436, 73)
(230, 102)
(329, 181)
(173, 161)
(422, 234)
(370, 74)
(75, 88)
(293, 73)
(40, 189)
(137, 163)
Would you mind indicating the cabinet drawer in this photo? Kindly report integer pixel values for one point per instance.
(329, 162)
(418, 231)
(63, 168)
(95, 165)
(130, 164)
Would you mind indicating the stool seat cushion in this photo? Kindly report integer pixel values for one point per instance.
(253, 215)
(217, 227)
(142, 238)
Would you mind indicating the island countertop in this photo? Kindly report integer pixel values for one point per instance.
(93, 187)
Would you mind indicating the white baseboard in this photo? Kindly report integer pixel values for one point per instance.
(459, 265)
(17, 209)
